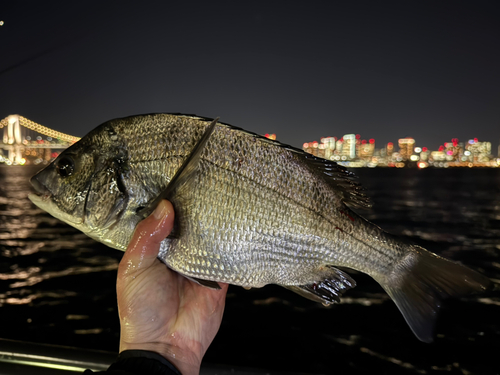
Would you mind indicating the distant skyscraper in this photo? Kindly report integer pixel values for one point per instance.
(406, 147)
(349, 146)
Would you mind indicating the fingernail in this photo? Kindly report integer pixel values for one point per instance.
(161, 210)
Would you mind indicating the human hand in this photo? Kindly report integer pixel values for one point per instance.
(160, 310)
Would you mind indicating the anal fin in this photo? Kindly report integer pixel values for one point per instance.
(329, 287)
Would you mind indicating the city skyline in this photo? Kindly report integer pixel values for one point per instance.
(352, 151)
(495, 150)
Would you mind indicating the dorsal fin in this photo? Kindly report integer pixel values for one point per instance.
(340, 179)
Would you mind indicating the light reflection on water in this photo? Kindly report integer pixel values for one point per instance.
(48, 268)
(34, 275)
(50, 271)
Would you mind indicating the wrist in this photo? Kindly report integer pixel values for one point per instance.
(143, 362)
(186, 362)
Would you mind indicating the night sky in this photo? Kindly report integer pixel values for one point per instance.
(302, 70)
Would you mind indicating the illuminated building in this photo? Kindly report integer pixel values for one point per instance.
(424, 154)
(324, 149)
(366, 149)
(406, 147)
(453, 150)
(390, 149)
(349, 146)
(339, 145)
(329, 145)
(478, 151)
(311, 148)
(438, 156)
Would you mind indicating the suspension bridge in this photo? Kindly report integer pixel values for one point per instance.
(26, 142)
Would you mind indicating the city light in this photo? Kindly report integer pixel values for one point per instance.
(270, 136)
(352, 151)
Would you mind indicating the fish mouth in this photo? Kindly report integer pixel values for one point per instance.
(41, 189)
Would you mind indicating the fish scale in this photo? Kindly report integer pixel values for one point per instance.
(249, 211)
(283, 225)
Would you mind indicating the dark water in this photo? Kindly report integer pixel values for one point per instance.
(57, 286)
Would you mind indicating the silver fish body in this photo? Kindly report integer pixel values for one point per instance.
(249, 211)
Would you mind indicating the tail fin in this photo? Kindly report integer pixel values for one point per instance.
(421, 281)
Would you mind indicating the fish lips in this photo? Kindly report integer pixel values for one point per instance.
(42, 197)
(41, 189)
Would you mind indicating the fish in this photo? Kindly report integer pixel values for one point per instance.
(249, 211)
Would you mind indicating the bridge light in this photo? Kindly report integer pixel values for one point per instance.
(12, 119)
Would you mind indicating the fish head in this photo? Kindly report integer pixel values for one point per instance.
(85, 186)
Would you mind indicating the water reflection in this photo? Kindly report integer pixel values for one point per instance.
(37, 248)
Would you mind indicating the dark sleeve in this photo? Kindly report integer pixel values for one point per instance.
(135, 362)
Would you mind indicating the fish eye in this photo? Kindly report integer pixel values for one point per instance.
(65, 166)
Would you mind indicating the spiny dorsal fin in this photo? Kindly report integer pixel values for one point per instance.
(184, 174)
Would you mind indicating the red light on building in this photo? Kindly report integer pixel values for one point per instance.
(363, 142)
(390, 144)
(424, 149)
(372, 141)
(305, 145)
(475, 140)
(441, 148)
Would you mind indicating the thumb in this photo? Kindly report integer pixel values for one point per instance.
(145, 244)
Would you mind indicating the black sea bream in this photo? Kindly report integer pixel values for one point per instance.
(249, 211)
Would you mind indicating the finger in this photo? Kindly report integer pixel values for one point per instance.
(145, 244)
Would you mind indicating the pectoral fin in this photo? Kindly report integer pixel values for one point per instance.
(184, 174)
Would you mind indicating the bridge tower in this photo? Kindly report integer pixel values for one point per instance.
(12, 138)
